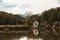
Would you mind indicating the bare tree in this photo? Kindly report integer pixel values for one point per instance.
(27, 16)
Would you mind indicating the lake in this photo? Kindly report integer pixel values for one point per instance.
(17, 36)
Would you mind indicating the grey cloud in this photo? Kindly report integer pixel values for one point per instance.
(4, 5)
(0, 1)
(58, 1)
(24, 6)
(9, 6)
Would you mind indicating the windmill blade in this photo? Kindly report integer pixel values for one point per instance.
(53, 27)
(54, 30)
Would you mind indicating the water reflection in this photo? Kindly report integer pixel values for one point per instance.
(26, 38)
(14, 36)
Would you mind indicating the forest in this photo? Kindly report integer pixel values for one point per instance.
(10, 19)
(52, 15)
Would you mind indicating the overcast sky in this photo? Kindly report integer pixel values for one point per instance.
(21, 6)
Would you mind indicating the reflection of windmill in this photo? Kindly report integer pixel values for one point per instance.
(35, 27)
(54, 28)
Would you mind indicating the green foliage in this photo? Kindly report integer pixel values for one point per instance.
(51, 15)
(9, 19)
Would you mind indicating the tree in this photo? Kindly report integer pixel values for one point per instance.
(9, 18)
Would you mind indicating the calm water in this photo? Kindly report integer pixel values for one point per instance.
(15, 36)
(25, 38)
